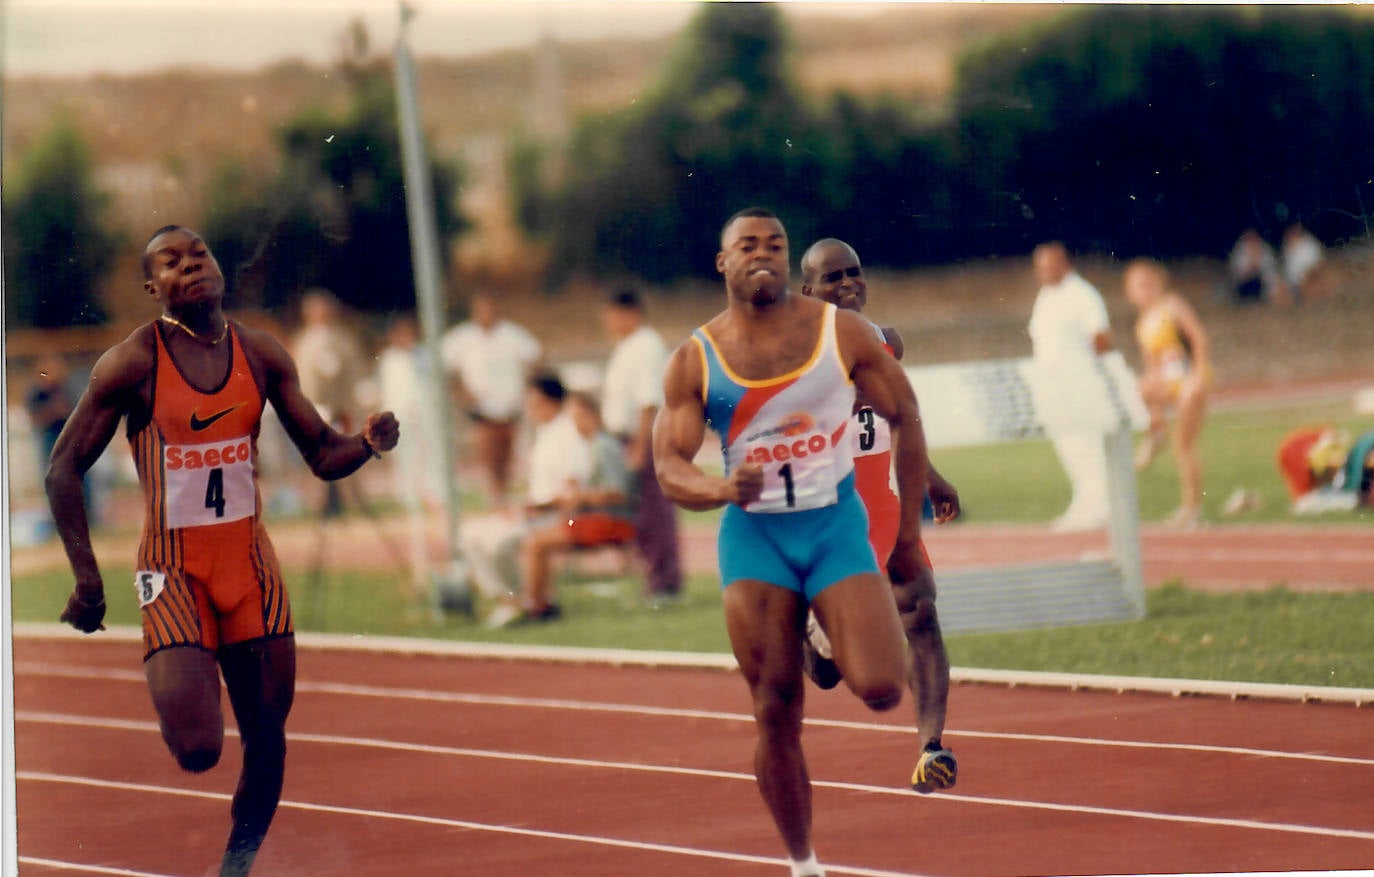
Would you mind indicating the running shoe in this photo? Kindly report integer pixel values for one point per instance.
(937, 768)
(816, 657)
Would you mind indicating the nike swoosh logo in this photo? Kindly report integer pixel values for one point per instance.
(197, 424)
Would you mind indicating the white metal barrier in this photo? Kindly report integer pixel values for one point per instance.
(977, 403)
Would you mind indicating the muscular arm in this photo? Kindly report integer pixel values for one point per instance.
(943, 496)
(329, 453)
(113, 392)
(883, 385)
(679, 430)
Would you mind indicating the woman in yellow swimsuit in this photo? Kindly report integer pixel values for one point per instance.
(1177, 375)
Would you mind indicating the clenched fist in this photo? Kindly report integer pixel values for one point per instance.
(86, 615)
(381, 431)
(746, 482)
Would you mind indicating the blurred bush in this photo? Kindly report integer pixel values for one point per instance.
(333, 213)
(1124, 130)
(1169, 129)
(57, 245)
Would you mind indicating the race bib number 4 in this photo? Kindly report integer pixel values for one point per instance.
(149, 586)
(209, 483)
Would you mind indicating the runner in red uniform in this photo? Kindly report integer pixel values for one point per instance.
(192, 386)
(831, 272)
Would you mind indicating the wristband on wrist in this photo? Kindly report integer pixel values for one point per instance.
(367, 445)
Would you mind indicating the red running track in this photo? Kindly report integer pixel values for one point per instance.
(433, 765)
(1228, 557)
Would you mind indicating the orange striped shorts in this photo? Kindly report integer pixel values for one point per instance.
(210, 587)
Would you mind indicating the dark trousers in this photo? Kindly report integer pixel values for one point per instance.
(656, 533)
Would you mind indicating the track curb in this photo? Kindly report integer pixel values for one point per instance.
(1358, 697)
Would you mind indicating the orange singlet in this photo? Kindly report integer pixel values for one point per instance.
(207, 573)
(873, 478)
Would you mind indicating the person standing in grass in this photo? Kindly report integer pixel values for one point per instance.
(831, 272)
(630, 402)
(191, 386)
(1177, 374)
(775, 375)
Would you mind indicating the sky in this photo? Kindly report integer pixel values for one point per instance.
(80, 37)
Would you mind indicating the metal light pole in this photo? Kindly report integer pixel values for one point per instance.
(450, 586)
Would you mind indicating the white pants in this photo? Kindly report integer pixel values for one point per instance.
(490, 544)
(1084, 459)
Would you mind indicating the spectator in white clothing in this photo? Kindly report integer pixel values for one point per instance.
(1303, 259)
(407, 388)
(594, 511)
(331, 365)
(630, 400)
(559, 458)
(492, 358)
(1069, 330)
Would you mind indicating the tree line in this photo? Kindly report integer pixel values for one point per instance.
(1130, 130)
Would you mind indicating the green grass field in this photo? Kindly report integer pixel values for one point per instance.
(1265, 636)
(1021, 482)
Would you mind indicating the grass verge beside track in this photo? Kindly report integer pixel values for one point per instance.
(1272, 636)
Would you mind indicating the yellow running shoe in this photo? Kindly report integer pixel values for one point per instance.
(937, 768)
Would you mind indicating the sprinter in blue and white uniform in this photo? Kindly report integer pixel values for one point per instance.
(775, 375)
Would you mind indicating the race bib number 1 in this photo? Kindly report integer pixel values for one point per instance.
(149, 586)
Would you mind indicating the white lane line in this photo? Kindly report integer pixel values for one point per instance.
(86, 869)
(396, 645)
(501, 755)
(372, 691)
(422, 819)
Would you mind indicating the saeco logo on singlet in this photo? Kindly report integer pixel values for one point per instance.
(797, 424)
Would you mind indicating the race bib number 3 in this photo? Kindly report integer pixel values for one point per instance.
(209, 483)
(149, 586)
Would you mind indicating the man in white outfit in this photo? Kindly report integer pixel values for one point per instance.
(1069, 330)
(492, 357)
(631, 399)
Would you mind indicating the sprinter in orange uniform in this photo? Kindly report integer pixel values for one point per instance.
(192, 386)
(831, 272)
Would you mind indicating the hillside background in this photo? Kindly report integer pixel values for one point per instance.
(158, 138)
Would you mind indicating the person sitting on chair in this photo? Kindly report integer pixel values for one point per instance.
(563, 467)
(596, 512)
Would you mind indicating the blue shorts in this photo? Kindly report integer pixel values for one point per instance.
(805, 552)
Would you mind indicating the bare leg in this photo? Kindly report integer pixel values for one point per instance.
(1192, 406)
(860, 618)
(261, 679)
(536, 555)
(765, 627)
(495, 446)
(927, 661)
(184, 684)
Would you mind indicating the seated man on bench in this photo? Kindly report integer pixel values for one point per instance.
(593, 511)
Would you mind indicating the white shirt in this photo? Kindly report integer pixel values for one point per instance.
(634, 380)
(1064, 320)
(1301, 254)
(558, 454)
(493, 364)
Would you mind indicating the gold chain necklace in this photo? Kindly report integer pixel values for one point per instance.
(183, 327)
